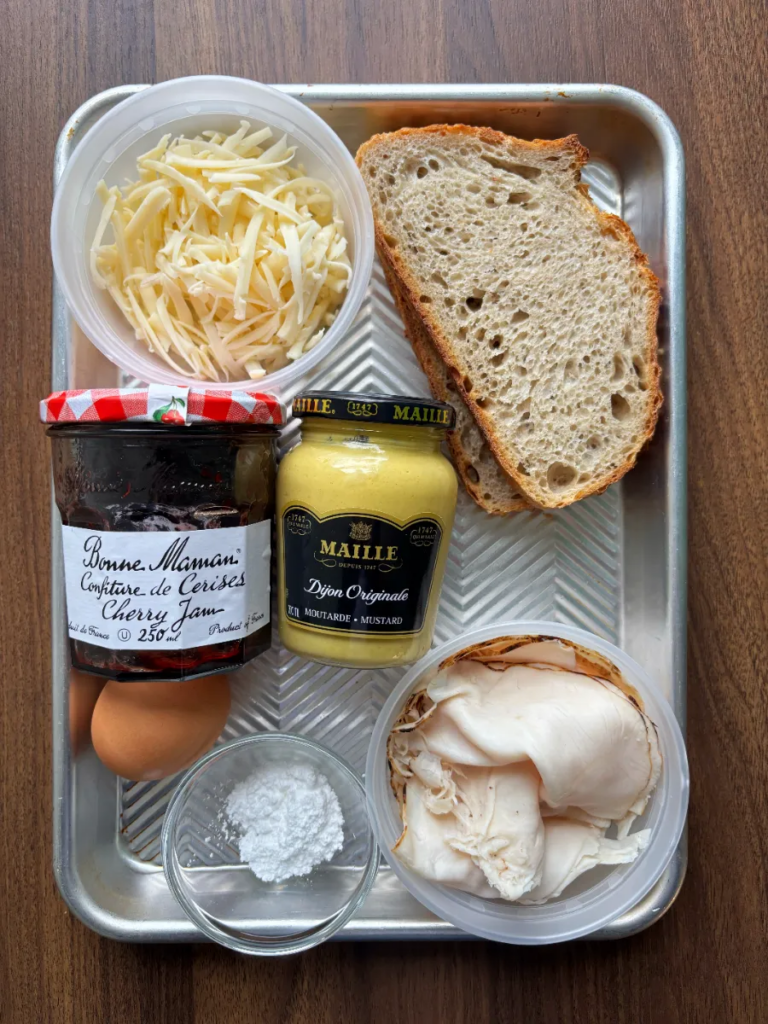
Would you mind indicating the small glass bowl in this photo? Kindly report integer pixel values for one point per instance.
(223, 897)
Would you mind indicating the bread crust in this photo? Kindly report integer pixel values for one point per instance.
(407, 285)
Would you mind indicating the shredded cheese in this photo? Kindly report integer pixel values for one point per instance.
(224, 257)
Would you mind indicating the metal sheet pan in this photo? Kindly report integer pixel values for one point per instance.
(615, 564)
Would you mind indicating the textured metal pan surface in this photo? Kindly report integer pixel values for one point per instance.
(613, 564)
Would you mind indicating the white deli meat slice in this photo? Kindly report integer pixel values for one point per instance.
(425, 847)
(573, 847)
(439, 786)
(490, 815)
(502, 827)
(593, 747)
(541, 652)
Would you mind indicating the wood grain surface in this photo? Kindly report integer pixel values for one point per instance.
(706, 65)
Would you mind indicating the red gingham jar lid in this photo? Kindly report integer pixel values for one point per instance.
(161, 403)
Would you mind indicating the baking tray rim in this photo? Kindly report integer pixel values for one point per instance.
(656, 904)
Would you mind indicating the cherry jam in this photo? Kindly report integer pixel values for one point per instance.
(128, 478)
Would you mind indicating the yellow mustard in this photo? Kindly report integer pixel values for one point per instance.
(365, 507)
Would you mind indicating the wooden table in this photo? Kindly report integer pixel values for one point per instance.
(706, 65)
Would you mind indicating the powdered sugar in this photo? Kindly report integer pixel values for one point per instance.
(289, 818)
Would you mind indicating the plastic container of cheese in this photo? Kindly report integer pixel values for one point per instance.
(597, 897)
(189, 106)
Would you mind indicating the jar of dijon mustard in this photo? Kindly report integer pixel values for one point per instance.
(365, 507)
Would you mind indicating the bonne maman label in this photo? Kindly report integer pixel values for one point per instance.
(166, 589)
(358, 572)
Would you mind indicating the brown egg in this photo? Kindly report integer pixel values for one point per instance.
(84, 691)
(145, 731)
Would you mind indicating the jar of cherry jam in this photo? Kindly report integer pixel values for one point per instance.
(166, 497)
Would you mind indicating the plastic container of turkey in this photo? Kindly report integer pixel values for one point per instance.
(166, 498)
(600, 896)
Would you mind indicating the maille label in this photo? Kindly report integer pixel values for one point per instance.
(304, 406)
(419, 414)
(358, 573)
(392, 409)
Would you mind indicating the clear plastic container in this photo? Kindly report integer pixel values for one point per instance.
(598, 897)
(191, 105)
(223, 897)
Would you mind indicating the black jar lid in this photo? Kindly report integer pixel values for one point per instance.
(400, 410)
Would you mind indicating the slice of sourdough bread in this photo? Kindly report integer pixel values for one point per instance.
(482, 476)
(542, 307)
